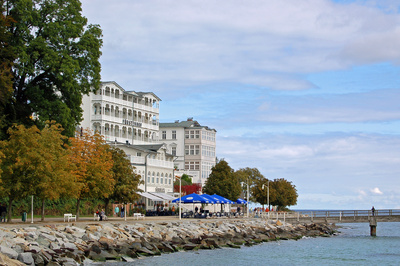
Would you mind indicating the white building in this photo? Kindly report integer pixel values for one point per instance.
(130, 120)
(193, 145)
(122, 116)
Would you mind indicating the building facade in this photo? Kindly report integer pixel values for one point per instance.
(122, 116)
(130, 121)
(193, 145)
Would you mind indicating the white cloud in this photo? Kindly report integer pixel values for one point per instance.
(160, 43)
(376, 191)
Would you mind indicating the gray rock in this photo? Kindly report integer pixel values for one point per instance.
(12, 254)
(26, 258)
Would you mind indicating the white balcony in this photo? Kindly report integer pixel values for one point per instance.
(136, 159)
(159, 163)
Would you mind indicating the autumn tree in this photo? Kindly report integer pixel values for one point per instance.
(57, 61)
(54, 178)
(34, 164)
(126, 180)
(223, 181)
(93, 164)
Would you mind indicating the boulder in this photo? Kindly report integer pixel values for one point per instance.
(26, 258)
(5, 260)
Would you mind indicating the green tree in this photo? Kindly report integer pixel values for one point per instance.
(282, 193)
(223, 181)
(57, 61)
(126, 180)
(259, 191)
(7, 57)
(248, 176)
(186, 180)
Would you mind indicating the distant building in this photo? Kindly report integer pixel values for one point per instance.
(130, 121)
(193, 145)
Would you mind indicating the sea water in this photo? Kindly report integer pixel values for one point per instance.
(352, 246)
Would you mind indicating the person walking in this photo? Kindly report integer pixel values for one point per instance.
(122, 211)
(373, 211)
(116, 211)
(3, 212)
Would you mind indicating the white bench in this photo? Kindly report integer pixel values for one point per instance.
(138, 215)
(69, 216)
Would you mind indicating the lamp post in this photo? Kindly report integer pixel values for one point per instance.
(248, 198)
(180, 198)
(267, 193)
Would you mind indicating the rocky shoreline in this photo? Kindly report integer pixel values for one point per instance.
(79, 244)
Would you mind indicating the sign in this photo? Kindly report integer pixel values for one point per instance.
(160, 189)
(131, 123)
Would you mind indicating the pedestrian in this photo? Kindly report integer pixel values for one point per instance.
(122, 211)
(102, 213)
(3, 212)
(116, 211)
(373, 211)
(196, 209)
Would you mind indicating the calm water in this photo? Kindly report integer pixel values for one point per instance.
(353, 246)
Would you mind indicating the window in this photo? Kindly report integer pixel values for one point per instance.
(186, 134)
(197, 134)
(192, 165)
(164, 135)
(173, 134)
(192, 134)
(174, 151)
(192, 149)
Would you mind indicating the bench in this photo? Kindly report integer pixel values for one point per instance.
(69, 216)
(138, 215)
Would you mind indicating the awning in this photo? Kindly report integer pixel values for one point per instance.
(162, 195)
(150, 196)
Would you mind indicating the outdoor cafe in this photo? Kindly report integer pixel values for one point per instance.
(207, 206)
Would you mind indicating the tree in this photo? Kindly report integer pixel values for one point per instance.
(259, 191)
(282, 193)
(93, 167)
(7, 57)
(54, 177)
(35, 163)
(223, 181)
(248, 176)
(57, 62)
(126, 180)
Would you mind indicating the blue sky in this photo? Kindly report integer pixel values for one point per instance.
(302, 90)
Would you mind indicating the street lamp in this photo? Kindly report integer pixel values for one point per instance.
(267, 193)
(180, 198)
(248, 197)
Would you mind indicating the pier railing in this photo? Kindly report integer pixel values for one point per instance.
(332, 216)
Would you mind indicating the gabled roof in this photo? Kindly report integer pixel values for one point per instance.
(186, 124)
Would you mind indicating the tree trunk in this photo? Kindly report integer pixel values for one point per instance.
(78, 203)
(106, 201)
(10, 201)
(42, 219)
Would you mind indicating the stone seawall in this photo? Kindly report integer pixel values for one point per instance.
(61, 244)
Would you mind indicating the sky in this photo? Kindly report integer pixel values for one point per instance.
(308, 91)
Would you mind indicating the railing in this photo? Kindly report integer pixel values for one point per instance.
(333, 216)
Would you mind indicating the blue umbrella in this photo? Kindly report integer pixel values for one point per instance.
(241, 201)
(193, 198)
(211, 198)
(222, 199)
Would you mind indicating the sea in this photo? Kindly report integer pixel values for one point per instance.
(353, 245)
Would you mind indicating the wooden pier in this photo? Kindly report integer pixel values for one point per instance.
(337, 216)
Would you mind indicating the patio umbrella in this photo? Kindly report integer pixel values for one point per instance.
(241, 201)
(193, 198)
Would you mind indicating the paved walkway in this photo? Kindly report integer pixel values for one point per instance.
(89, 220)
